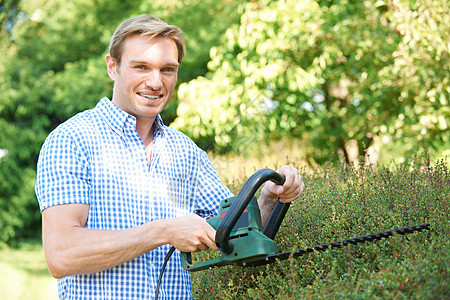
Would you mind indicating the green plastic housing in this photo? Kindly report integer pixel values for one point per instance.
(247, 236)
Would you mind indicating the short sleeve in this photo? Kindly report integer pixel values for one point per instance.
(210, 188)
(62, 172)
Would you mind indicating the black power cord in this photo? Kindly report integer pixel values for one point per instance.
(168, 255)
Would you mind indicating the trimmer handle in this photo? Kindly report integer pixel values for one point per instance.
(275, 219)
(240, 203)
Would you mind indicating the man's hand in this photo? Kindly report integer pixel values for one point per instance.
(191, 234)
(291, 189)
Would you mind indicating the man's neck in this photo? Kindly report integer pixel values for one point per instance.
(146, 133)
(145, 129)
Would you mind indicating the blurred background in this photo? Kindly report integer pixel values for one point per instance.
(263, 83)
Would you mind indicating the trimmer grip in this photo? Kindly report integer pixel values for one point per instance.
(240, 203)
(186, 257)
(275, 219)
(186, 261)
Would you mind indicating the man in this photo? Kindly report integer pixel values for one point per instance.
(117, 188)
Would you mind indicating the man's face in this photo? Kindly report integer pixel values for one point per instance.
(146, 77)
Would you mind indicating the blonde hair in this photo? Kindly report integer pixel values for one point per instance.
(145, 25)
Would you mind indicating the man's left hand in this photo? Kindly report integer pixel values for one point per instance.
(291, 189)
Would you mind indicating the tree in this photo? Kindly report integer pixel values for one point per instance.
(328, 72)
(9, 11)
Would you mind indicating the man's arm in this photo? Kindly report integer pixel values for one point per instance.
(72, 249)
(291, 189)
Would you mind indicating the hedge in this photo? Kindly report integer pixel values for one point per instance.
(344, 201)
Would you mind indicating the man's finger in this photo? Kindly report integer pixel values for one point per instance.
(210, 241)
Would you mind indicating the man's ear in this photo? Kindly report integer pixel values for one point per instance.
(111, 65)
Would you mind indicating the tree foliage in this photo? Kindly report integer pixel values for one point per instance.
(327, 72)
(9, 11)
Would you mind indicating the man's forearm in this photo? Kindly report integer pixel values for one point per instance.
(72, 249)
(83, 251)
(266, 206)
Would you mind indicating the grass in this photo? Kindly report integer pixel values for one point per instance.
(237, 167)
(24, 274)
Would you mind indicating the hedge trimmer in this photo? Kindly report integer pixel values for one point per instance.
(243, 242)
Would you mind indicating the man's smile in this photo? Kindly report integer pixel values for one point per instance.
(151, 97)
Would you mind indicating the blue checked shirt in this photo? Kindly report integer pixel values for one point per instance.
(97, 158)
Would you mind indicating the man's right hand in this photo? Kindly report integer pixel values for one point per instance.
(191, 234)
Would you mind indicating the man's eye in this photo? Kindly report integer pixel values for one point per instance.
(140, 67)
(168, 70)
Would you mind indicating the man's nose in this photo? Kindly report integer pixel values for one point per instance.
(153, 81)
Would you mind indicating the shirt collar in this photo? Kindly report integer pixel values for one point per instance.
(158, 125)
(117, 118)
